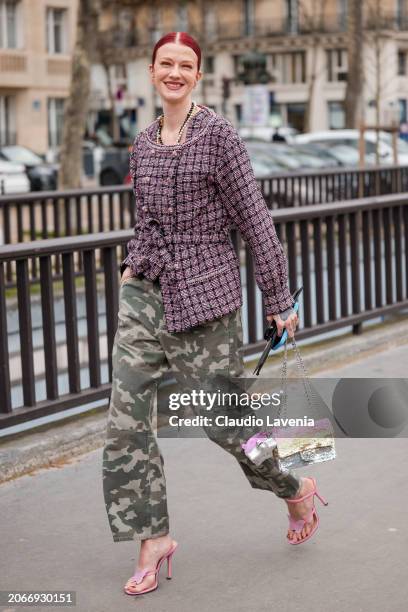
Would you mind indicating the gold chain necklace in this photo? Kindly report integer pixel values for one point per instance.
(183, 125)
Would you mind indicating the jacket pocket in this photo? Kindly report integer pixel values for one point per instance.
(208, 275)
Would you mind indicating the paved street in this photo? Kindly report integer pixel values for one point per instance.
(232, 554)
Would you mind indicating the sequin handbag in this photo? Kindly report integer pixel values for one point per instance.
(302, 445)
(294, 446)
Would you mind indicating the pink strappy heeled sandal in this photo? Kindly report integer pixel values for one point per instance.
(140, 574)
(297, 525)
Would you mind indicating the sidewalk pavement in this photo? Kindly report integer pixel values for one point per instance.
(232, 551)
(52, 445)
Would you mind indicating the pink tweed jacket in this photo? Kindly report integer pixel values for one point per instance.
(188, 196)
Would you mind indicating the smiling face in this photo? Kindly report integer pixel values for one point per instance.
(174, 73)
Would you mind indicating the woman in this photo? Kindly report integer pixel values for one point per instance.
(180, 300)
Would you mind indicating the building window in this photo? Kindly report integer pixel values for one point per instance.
(55, 121)
(337, 115)
(402, 105)
(342, 4)
(210, 23)
(126, 22)
(402, 63)
(248, 12)
(119, 72)
(156, 27)
(9, 24)
(292, 16)
(238, 66)
(182, 17)
(288, 68)
(57, 39)
(336, 60)
(238, 113)
(296, 114)
(7, 121)
(209, 64)
(401, 14)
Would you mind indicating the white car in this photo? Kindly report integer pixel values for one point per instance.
(351, 138)
(13, 178)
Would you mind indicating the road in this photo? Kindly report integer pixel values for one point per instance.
(232, 551)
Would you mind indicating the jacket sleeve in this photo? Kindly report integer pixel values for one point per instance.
(132, 172)
(246, 207)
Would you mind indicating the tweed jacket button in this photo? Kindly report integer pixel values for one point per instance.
(170, 209)
(145, 208)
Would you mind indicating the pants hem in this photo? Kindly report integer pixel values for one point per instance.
(126, 537)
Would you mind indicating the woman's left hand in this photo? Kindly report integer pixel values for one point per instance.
(289, 323)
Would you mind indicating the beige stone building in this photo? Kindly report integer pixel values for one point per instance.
(36, 40)
(304, 43)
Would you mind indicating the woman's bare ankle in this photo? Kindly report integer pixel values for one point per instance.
(157, 542)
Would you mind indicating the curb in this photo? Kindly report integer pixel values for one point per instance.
(56, 444)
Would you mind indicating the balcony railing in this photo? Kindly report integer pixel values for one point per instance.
(271, 26)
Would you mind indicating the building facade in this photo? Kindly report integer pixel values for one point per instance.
(304, 43)
(36, 41)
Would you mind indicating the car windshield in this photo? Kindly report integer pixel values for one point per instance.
(345, 154)
(277, 155)
(263, 166)
(21, 155)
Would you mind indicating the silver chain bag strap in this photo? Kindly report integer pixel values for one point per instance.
(293, 446)
(299, 446)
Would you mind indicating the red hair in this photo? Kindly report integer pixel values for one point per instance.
(179, 37)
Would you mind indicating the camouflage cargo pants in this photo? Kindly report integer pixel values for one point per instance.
(133, 476)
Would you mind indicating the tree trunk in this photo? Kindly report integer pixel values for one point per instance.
(311, 86)
(112, 99)
(354, 90)
(76, 106)
(313, 17)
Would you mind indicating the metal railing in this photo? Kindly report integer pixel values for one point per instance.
(41, 215)
(52, 214)
(352, 260)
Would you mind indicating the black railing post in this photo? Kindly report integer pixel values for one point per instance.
(91, 297)
(5, 389)
(111, 297)
(48, 324)
(71, 323)
(26, 332)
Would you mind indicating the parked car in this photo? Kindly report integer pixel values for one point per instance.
(114, 165)
(13, 178)
(274, 153)
(262, 165)
(351, 138)
(321, 152)
(42, 176)
(290, 157)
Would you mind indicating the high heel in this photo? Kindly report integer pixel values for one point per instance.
(141, 574)
(297, 525)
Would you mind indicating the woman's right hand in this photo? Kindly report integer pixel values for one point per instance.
(126, 274)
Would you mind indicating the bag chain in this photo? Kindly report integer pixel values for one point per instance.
(284, 380)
